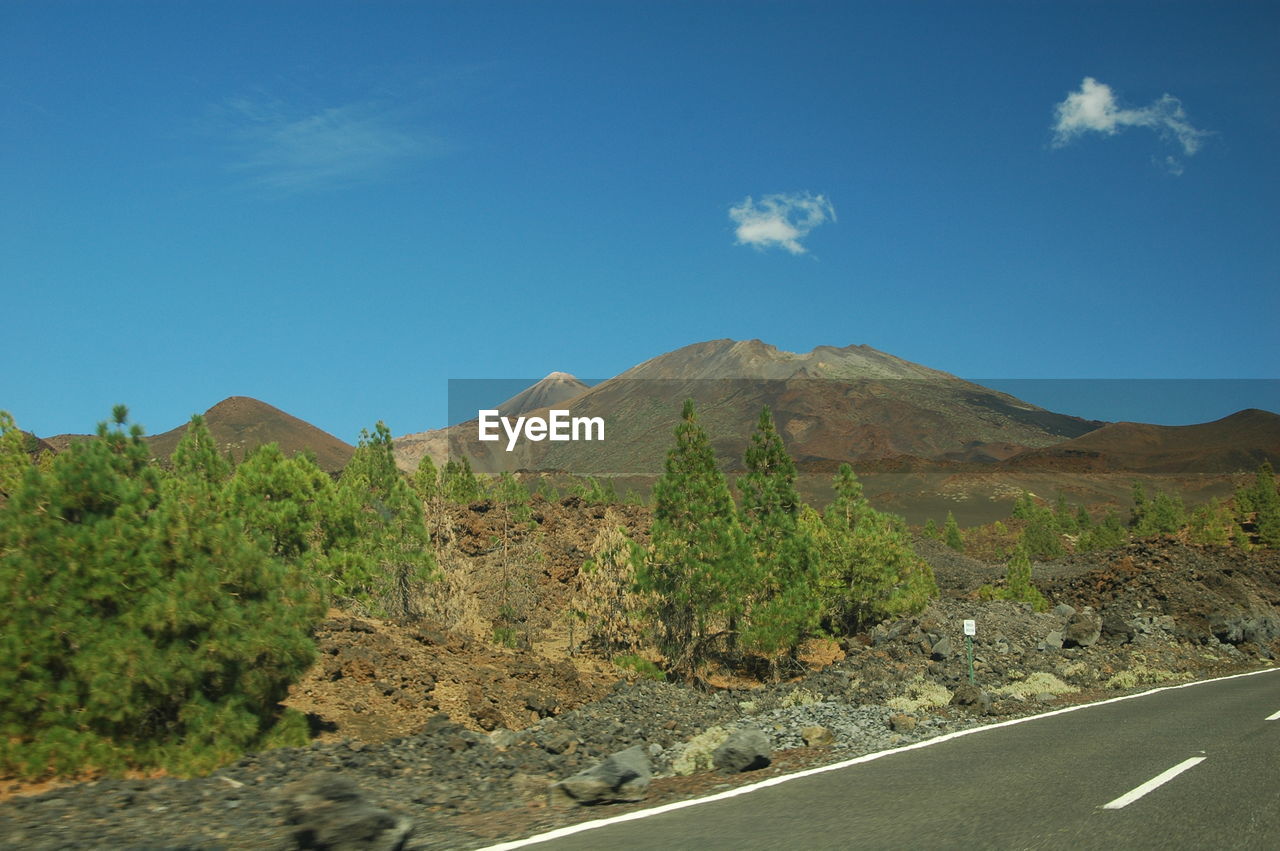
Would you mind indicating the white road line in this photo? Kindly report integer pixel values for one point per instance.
(1154, 783)
(1275, 717)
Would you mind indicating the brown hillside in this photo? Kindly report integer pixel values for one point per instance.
(239, 424)
(61, 442)
(1239, 442)
(831, 405)
(36, 446)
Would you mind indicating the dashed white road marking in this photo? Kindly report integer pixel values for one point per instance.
(1154, 783)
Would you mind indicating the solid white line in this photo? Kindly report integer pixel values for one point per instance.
(581, 827)
(1154, 783)
(1275, 717)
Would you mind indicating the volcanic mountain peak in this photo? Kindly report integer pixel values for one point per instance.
(720, 359)
(241, 423)
(557, 387)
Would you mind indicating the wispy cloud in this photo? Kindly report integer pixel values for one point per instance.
(289, 150)
(1094, 109)
(780, 221)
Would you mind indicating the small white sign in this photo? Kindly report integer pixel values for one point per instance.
(970, 627)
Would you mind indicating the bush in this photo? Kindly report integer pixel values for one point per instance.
(141, 625)
(1017, 583)
(867, 570)
(641, 666)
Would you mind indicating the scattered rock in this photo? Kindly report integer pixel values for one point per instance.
(902, 723)
(329, 812)
(541, 703)
(1052, 641)
(745, 750)
(1064, 611)
(941, 650)
(624, 776)
(817, 736)
(559, 742)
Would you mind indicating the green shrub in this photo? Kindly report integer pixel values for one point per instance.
(140, 624)
(641, 666)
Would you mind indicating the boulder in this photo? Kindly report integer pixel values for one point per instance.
(941, 650)
(744, 750)
(1260, 629)
(623, 776)
(970, 696)
(1064, 611)
(1115, 628)
(1083, 630)
(328, 811)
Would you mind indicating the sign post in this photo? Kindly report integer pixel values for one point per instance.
(970, 630)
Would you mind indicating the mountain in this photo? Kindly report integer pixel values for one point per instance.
(551, 391)
(239, 424)
(832, 405)
(62, 442)
(1239, 442)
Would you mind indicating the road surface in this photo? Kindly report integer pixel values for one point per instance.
(1195, 767)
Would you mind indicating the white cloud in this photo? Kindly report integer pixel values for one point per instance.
(296, 151)
(780, 220)
(1094, 108)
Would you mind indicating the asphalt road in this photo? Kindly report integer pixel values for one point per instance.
(1044, 783)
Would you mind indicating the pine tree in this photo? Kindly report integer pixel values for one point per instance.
(1211, 524)
(1266, 503)
(197, 458)
(1108, 534)
(511, 499)
(1083, 520)
(1141, 506)
(1064, 517)
(382, 553)
(289, 503)
(14, 460)
(1041, 537)
(426, 480)
(141, 624)
(458, 482)
(1161, 515)
(867, 568)
(785, 605)
(951, 534)
(931, 530)
(1017, 581)
(699, 563)
(1024, 507)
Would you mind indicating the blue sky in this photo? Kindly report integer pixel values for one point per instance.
(337, 207)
